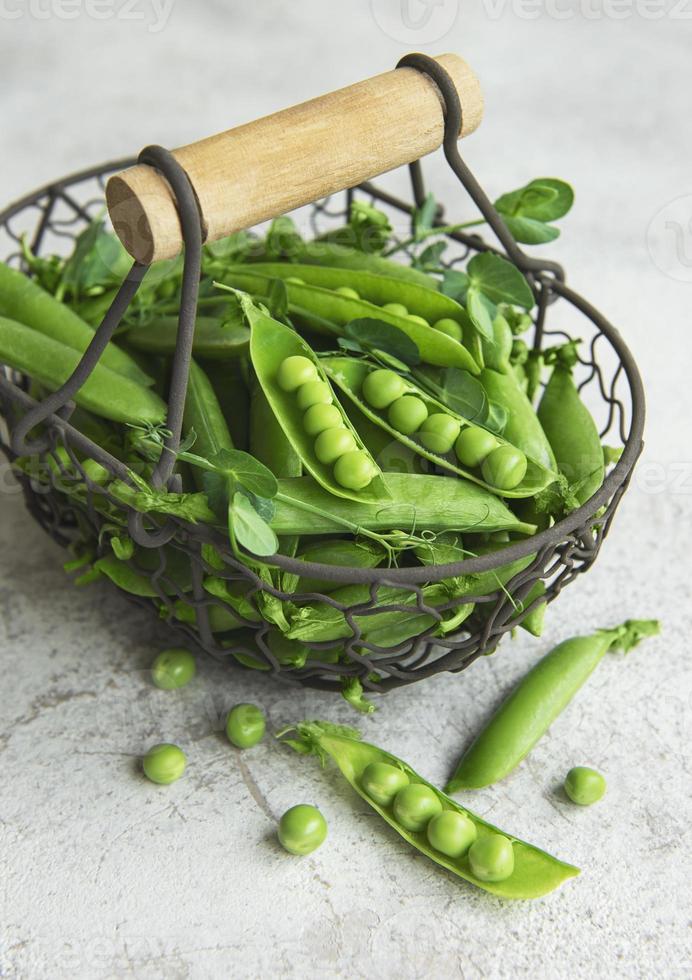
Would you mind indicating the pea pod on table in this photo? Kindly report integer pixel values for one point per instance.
(453, 444)
(301, 398)
(23, 300)
(214, 340)
(533, 872)
(336, 310)
(537, 701)
(571, 431)
(105, 393)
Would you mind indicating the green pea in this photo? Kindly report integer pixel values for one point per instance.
(302, 829)
(473, 445)
(296, 371)
(321, 417)
(164, 763)
(415, 805)
(382, 387)
(382, 782)
(584, 786)
(418, 319)
(398, 309)
(451, 833)
(347, 291)
(314, 393)
(333, 443)
(173, 668)
(504, 468)
(407, 414)
(354, 470)
(439, 432)
(245, 725)
(492, 858)
(450, 327)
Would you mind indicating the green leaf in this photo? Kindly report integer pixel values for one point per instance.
(249, 529)
(543, 199)
(424, 217)
(374, 334)
(430, 257)
(216, 488)
(482, 315)
(234, 248)
(264, 506)
(277, 299)
(352, 691)
(454, 284)
(612, 454)
(123, 547)
(496, 418)
(499, 280)
(247, 472)
(457, 389)
(98, 259)
(528, 231)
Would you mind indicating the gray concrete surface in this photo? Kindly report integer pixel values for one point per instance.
(104, 875)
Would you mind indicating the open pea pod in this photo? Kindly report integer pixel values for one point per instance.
(213, 340)
(271, 343)
(535, 872)
(349, 374)
(334, 311)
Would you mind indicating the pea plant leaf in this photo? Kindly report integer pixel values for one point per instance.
(249, 529)
(424, 216)
(528, 231)
(499, 280)
(98, 259)
(429, 258)
(457, 389)
(372, 334)
(246, 471)
(542, 199)
(454, 284)
(481, 311)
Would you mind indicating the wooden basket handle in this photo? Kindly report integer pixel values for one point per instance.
(280, 162)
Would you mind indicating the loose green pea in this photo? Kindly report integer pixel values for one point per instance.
(450, 327)
(382, 387)
(473, 445)
(347, 291)
(302, 829)
(321, 417)
(296, 371)
(418, 319)
(504, 468)
(584, 786)
(173, 668)
(415, 805)
(382, 782)
(451, 833)
(354, 470)
(314, 393)
(439, 432)
(407, 414)
(333, 443)
(492, 858)
(245, 725)
(164, 763)
(398, 309)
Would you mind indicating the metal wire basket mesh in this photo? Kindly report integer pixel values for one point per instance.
(177, 560)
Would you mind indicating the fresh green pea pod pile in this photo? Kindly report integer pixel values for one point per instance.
(343, 406)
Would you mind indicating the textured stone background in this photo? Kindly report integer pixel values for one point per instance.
(104, 875)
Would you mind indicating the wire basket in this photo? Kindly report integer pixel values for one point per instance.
(173, 557)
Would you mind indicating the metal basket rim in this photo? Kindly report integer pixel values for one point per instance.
(548, 538)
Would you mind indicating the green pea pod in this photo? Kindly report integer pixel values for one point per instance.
(535, 872)
(522, 428)
(23, 300)
(343, 257)
(532, 622)
(537, 701)
(221, 620)
(319, 622)
(389, 454)
(268, 441)
(341, 552)
(434, 346)
(135, 576)
(572, 434)
(228, 379)
(105, 393)
(349, 374)
(496, 355)
(203, 415)
(380, 290)
(213, 339)
(271, 343)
